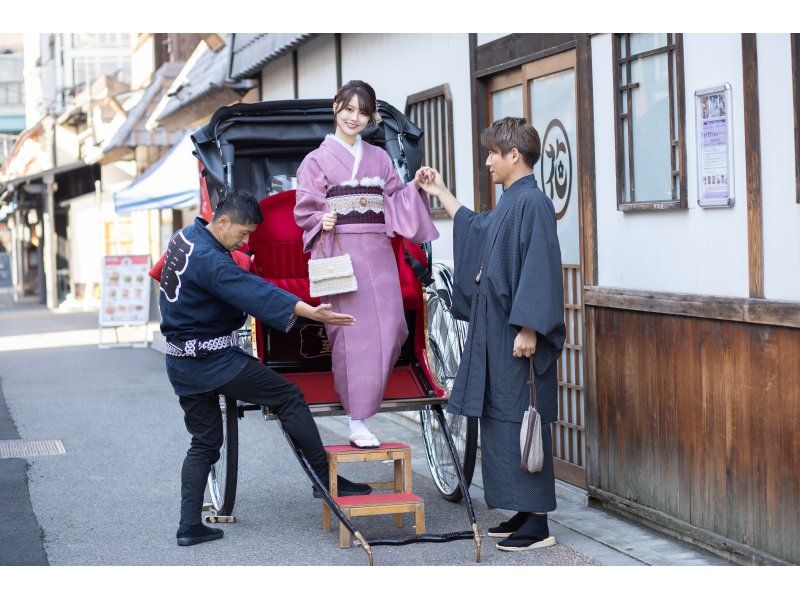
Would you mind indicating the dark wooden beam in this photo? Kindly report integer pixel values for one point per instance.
(295, 74)
(480, 176)
(737, 309)
(586, 167)
(337, 40)
(752, 150)
(518, 48)
(796, 87)
(587, 201)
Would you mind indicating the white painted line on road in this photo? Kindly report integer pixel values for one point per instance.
(20, 449)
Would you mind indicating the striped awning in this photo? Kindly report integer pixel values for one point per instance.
(172, 182)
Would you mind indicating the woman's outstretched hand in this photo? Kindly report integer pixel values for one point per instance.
(430, 181)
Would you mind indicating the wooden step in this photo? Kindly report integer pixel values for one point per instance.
(394, 498)
(384, 446)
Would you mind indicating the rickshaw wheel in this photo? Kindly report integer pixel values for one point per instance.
(223, 475)
(446, 337)
(464, 431)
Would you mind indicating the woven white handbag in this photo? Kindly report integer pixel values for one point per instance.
(331, 275)
(530, 436)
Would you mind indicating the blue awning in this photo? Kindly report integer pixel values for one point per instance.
(172, 182)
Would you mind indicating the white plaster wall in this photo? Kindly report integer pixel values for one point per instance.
(277, 79)
(317, 68)
(692, 251)
(781, 212)
(85, 240)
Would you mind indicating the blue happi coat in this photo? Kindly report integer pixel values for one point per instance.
(205, 294)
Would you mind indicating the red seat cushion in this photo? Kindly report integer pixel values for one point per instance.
(277, 244)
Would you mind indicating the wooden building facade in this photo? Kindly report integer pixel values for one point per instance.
(680, 381)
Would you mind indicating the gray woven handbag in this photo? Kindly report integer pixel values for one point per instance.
(530, 434)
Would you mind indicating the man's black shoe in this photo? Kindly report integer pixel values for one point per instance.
(346, 488)
(507, 528)
(198, 533)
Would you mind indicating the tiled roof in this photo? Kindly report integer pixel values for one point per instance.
(207, 74)
(251, 51)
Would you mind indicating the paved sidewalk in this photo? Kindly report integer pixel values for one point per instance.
(113, 498)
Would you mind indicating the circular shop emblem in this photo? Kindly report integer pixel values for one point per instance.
(556, 166)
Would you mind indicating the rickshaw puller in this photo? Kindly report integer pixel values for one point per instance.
(205, 297)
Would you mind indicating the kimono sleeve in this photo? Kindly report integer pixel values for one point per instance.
(406, 211)
(311, 203)
(538, 300)
(251, 294)
(469, 233)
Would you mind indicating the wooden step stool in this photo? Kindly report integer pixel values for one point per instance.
(398, 502)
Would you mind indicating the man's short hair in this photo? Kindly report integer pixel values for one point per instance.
(240, 206)
(508, 133)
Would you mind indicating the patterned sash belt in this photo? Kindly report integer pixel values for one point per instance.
(198, 349)
(359, 218)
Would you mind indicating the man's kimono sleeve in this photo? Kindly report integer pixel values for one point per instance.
(406, 210)
(538, 300)
(311, 203)
(251, 294)
(469, 233)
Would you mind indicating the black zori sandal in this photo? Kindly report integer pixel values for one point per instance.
(533, 533)
(505, 529)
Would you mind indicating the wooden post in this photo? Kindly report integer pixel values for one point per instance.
(752, 149)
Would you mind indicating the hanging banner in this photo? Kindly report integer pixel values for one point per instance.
(714, 147)
(126, 290)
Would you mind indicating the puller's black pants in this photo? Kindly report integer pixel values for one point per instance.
(256, 384)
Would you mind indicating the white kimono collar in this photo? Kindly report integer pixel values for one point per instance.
(355, 150)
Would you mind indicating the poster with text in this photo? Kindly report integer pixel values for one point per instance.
(126, 290)
(715, 185)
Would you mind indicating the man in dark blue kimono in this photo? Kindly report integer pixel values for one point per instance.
(205, 297)
(509, 285)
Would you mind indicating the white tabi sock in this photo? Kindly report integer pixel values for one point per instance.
(358, 427)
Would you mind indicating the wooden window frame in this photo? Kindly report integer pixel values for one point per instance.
(677, 101)
(795, 37)
(440, 113)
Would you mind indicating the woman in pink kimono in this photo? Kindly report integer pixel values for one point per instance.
(352, 186)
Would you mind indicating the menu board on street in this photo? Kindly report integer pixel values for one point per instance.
(126, 290)
(714, 151)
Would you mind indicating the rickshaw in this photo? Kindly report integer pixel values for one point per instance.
(258, 147)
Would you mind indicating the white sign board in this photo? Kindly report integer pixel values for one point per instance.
(714, 147)
(126, 290)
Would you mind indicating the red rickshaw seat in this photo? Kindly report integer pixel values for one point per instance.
(277, 244)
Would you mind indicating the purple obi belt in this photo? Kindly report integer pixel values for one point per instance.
(356, 204)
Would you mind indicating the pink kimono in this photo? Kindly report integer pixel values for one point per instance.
(372, 205)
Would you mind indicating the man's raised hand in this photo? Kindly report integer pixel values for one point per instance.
(323, 313)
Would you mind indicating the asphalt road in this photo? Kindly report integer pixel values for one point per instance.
(114, 497)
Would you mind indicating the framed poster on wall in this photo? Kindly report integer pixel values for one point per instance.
(714, 132)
